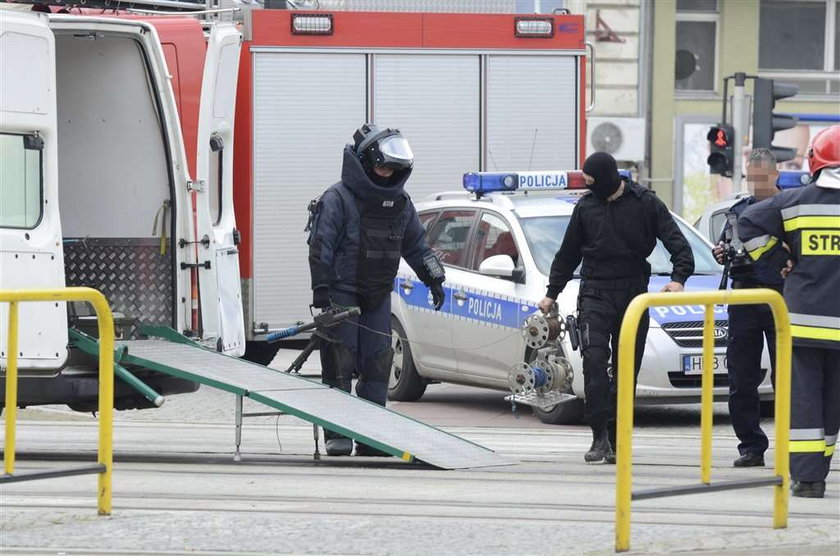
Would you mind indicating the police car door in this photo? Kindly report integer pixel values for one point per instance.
(221, 294)
(489, 304)
(447, 237)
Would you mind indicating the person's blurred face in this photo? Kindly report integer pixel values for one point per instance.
(761, 179)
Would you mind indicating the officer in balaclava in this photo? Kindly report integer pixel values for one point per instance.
(612, 230)
(359, 229)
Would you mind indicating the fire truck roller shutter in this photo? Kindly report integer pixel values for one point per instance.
(434, 100)
(306, 107)
(528, 129)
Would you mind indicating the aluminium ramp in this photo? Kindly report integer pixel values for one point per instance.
(312, 401)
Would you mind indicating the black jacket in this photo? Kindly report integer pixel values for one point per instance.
(614, 239)
(762, 272)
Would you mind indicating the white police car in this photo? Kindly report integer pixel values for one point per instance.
(497, 241)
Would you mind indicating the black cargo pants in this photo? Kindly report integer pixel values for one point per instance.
(749, 327)
(601, 308)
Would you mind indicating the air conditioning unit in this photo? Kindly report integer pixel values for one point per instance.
(624, 138)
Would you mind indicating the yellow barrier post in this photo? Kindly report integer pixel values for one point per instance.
(782, 406)
(624, 431)
(106, 379)
(11, 391)
(707, 396)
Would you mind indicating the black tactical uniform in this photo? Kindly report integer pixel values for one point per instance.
(749, 327)
(614, 239)
(808, 221)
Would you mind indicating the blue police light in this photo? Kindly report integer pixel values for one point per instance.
(487, 182)
(490, 182)
(792, 178)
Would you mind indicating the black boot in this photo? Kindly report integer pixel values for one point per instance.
(802, 489)
(600, 449)
(339, 446)
(370, 451)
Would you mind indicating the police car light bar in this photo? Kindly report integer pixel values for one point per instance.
(792, 178)
(494, 182)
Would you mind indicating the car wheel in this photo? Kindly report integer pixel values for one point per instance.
(261, 353)
(404, 384)
(566, 413)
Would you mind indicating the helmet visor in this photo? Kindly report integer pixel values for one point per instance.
(396, 152)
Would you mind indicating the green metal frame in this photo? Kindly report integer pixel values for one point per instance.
(90, 345)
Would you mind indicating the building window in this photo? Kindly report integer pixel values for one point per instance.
(20, 180)
(696, 57)
(798, 42)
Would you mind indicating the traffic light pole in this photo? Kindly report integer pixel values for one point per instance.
(738, 105)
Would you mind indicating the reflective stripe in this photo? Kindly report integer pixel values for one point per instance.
(829, 451)
(807, 434)
(811, 210)
(815, 333)
(831, 440)
(807, 446)
(815, 320)
(756, 242)
(812, 222)
(758, 246)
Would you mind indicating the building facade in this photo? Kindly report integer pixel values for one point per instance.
(696, 44)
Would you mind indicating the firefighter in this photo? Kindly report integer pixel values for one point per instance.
(798, 231)
(359, 229)
(613, 230)
(749, 325)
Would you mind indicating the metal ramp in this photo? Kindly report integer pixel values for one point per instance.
(311, 401)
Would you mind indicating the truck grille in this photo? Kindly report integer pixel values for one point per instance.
(690, 334)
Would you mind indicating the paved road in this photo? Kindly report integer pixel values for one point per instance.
(176, 489)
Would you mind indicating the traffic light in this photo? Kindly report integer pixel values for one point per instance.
(765, 123)
(721, 145)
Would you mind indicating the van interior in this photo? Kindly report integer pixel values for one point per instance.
(114, 181)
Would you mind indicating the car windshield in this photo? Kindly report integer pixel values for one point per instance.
(545, 233)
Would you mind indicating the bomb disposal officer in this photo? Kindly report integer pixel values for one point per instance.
(799, 231)
(359, 229)
(750, 325)
(613, 230)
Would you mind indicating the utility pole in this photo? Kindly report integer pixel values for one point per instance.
(738, 101)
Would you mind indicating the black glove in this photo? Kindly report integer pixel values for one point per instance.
(321, 297)
(438, 295)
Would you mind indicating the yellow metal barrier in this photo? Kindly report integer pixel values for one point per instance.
(106, 387)
(624, 433)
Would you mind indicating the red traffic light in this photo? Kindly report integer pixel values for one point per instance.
(719, 136)
(721, 153)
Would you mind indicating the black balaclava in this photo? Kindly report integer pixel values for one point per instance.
(603, 168)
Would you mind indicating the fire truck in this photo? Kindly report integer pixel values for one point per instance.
(169, 162)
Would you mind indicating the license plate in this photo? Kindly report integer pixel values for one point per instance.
(693, 364)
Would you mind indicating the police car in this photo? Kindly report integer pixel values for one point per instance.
(497, 240)
(711, 222)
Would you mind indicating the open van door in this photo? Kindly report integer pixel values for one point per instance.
(220, 291)
(31, 253)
